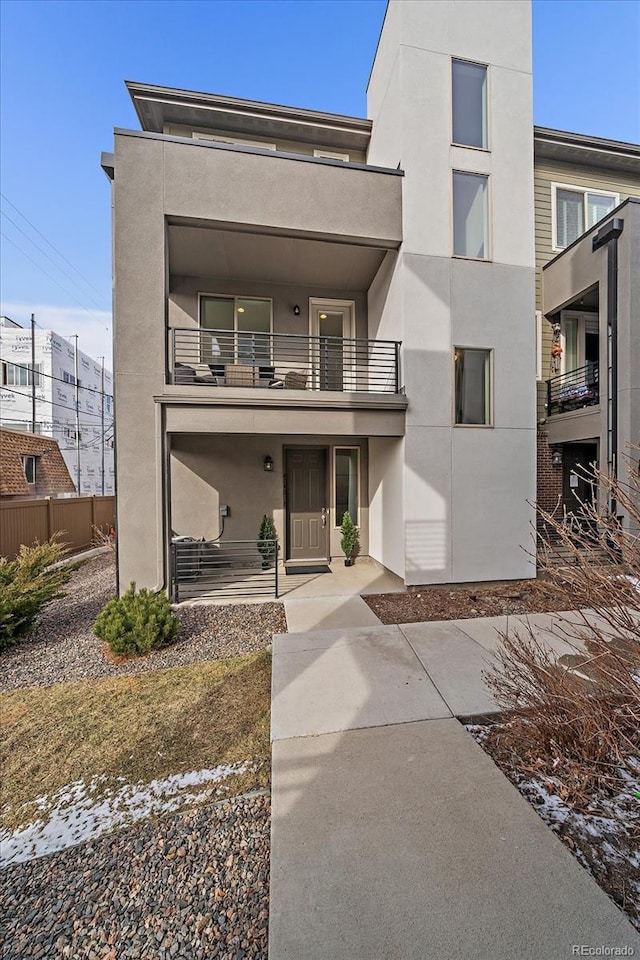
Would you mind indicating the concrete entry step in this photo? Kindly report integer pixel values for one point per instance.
(407, 843)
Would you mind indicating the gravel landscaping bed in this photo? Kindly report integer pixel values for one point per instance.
(62, 645)
(445, 603)
(184, 887)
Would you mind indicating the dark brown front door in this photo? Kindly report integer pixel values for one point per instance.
(307, 520)
(577, 470)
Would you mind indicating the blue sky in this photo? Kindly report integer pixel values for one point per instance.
(63, 67)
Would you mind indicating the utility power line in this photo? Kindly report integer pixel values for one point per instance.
(57, 282)
(46, 240)
(50, 259)
(50, 376)
(54, 403)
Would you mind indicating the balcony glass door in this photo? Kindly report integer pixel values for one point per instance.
(332, 354)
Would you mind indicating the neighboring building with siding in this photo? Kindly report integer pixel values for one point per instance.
(89, 456)
(602, 173)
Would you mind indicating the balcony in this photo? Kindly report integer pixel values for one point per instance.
(574, 390)
(278, 361)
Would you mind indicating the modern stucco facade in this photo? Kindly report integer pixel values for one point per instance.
(463, 489)
(197, 218)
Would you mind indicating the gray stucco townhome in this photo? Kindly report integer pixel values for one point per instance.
(317, 313)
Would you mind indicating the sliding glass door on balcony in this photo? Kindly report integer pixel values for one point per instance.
(333, 358)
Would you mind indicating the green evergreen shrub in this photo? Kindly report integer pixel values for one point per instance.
(266, 533)
(136, 622)
(349, 538)
(26, 585)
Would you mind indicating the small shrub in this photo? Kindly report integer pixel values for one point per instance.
(26, 585)
(349, 539)
(104, 536)
(266, 533)
(137, 622)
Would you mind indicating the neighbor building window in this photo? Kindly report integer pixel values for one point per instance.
(470, 215)
(346, 483)
(472, 373)
(469, 95)
(241, 328)
(21, 375)
(577, 210)
(24, 426)
(29, 467)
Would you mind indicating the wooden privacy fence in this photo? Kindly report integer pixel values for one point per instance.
(25, 521)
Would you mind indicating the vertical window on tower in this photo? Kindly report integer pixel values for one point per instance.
(469, 96)
(472, 375)
(470, 215)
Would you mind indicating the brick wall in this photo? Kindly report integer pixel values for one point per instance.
(549, 496)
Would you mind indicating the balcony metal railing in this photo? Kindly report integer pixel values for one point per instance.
(573, 390)
(224, 569)
(283, 361)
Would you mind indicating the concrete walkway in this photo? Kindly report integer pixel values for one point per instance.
(394, 836)
(331, 600)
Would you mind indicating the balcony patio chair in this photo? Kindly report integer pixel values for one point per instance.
(295, 380)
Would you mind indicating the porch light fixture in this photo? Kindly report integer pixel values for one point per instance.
(296, 311)
(556, 458)
(240, 310)
(323, 316)
(267, 463)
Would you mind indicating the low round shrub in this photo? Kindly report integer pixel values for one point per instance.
(136, 622)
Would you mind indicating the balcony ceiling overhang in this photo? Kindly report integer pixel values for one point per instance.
(157, 106)
(200, 251)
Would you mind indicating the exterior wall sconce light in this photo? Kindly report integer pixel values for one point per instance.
(556, 458)
(267, 463)
(296, 311)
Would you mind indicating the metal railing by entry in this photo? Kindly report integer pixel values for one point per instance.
(224, 569)
(573, 390)
(283, 361)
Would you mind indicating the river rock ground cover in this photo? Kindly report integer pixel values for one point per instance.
(62, 645)
(185, 730)
(184, 887)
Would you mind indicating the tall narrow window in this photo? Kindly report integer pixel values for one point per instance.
(470, 216)
(472, 372)
(29, 467)
(346, 483)
(469, 91)
(569, 216)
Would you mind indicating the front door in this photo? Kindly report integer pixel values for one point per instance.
(333, 348)
(577, 475)
(307, 503)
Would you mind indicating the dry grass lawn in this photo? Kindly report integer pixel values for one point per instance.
(137, 727)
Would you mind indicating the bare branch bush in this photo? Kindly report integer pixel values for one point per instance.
(104, 536)
(576, 716)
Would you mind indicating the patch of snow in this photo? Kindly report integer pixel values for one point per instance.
(82, 811)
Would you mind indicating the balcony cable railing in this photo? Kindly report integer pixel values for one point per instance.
(284, 361)
(224, 569)
(573, 390)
